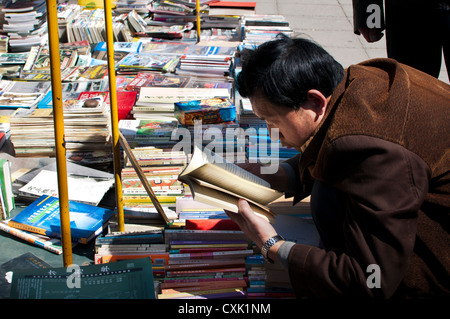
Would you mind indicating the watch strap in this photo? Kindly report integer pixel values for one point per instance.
(267, 245)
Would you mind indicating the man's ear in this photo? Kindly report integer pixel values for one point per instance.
(317, 102)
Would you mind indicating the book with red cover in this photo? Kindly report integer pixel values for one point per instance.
(211, 224)
(233, 4)
(232, 8)
(125, 103)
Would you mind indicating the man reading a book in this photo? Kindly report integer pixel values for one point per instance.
(375, 158)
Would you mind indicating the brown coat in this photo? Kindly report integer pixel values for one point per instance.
(384, 145)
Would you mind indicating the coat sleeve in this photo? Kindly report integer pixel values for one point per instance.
(382, 185)
(360, 13)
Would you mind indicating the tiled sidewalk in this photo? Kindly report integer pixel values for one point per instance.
(329, 23)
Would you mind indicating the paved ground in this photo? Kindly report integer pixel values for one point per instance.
(329, 23)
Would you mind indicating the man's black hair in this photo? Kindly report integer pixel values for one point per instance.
(286, 69)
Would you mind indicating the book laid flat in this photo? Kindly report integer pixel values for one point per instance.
(127, 279)
(43, 217)
(25, 261)
(214, 181)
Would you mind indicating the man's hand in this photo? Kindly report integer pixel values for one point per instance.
(255, 228)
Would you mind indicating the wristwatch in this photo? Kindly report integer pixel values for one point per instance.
(266, 246)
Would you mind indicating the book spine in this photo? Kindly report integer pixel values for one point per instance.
(207, 245)
(205, 266)
(129, 240)
(202, 272)
(207, 242)
(213, 254)
(195, 280)
(203, 250)
(6, 187)
(2, 205)
(205, 286)
(33, 229)
(209, 293)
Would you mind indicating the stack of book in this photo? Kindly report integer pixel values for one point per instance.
(114, 246)
(121, 49)
(261, 148)
(89, 25)
(256, 29)
(169, 16)
(21, 94)
(169, 28)
(248, 119)
(158, 102)
(24, 23)
(11, 64)
(125, 6)
(194, 215)
(226, 14)
(153, 79)
(205, 264)
(161, 169)
(86, 123)
(37, 66)
(231, 8)
(87, 221)
(207, 60)
(137, 62)
(148, 132)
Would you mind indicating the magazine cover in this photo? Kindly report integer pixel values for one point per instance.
(148, 61)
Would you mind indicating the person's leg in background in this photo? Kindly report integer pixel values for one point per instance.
(444, 21)
(414, 34)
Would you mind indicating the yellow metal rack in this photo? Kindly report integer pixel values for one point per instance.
(58, 118)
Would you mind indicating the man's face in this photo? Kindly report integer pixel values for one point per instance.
(294, 126)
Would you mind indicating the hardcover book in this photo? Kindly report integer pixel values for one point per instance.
(43, 217)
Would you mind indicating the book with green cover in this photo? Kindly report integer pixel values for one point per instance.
(7, 196)
(126, 279)
(43, 217)
(24, 261)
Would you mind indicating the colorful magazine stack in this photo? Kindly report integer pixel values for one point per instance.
(87, 126)
(205, 60)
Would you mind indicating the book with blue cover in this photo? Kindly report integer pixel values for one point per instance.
(121, 46)
(43, 217)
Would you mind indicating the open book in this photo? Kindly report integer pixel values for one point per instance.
(216, 182)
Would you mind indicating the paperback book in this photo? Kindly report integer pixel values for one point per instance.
(214, 181)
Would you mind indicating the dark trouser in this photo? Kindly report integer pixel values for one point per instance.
(416, 35)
